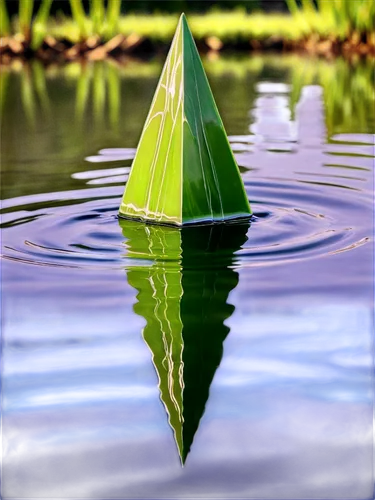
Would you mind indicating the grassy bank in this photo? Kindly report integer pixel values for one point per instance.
(337, 26)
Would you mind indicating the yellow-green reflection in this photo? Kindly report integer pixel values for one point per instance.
(4, 81)
(39, 81)
(28, 97)
(57, 113)
(105, 81)
(183, 278)
(102, 89)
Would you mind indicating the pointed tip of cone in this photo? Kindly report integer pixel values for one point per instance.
(150, 193)
(183, 453)
(183, 458)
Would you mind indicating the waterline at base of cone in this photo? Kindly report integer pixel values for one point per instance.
(184, 171)
(237, 219)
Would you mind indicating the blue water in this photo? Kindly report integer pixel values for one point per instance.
(290, 407)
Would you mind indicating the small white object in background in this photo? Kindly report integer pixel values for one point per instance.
(273, 127)
(310, 121)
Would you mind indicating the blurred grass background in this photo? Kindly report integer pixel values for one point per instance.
(234, 23)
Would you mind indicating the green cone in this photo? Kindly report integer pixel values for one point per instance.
(184, 171)
(183, 277)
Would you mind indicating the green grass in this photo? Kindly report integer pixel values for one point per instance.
(347, 16)
(39, 26)
(231, 27)
(4, 20)
(333, 19)
(33, 28)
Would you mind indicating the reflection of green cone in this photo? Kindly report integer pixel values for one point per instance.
(184, 170)
(183, 278)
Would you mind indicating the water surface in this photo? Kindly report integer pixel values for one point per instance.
(246, 350)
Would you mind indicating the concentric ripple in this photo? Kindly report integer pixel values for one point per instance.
(294, 218)
(311, 195)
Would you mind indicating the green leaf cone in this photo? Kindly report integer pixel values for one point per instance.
(183, 277)
(184, 171)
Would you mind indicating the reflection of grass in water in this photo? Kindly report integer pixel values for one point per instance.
(28, 97)
(4, 82)
(348, 91)
(39, 79)
(348, 87)
(33, 91)
(61, 142)
(99, 91)
(82, 92)
(114, 96)
(105, 80)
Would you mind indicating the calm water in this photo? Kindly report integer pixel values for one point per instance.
(247, 349)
